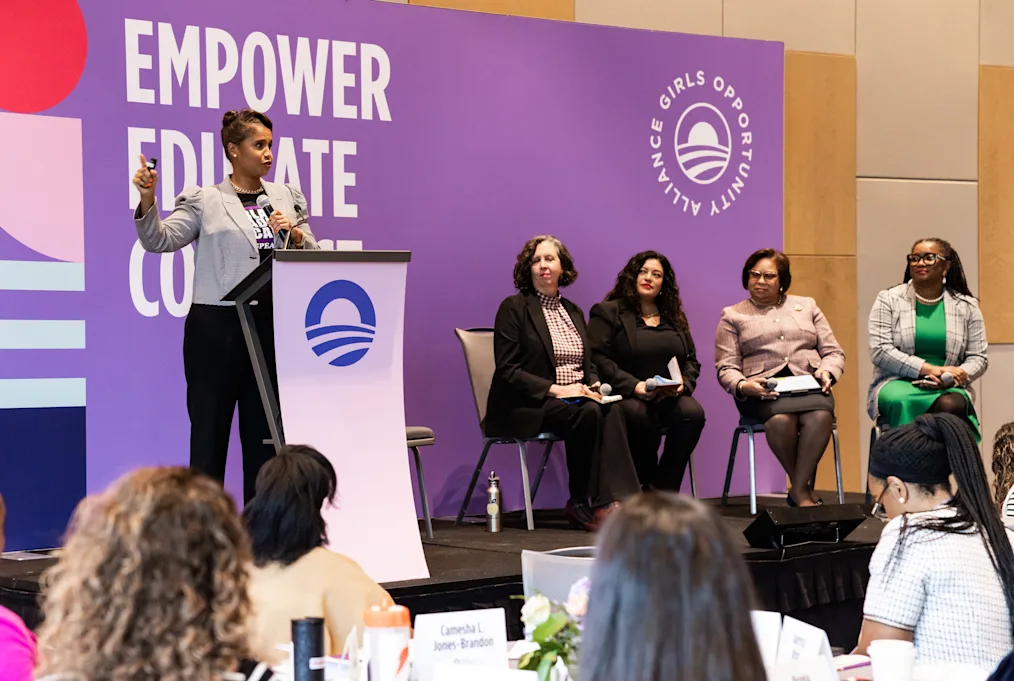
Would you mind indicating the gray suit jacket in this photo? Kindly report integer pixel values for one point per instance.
(892, 338)
(226, 246)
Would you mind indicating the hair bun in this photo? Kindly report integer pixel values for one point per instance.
(228, 117)
(929, 426)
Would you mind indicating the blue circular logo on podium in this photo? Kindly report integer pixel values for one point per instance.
(341, 344)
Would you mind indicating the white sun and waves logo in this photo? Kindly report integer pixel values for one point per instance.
(712, 158)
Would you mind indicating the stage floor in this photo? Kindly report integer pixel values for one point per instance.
(471, 568)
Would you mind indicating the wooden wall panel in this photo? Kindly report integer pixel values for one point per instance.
(540, 9)
(820, 154)
(996, 201)
(823, 26)
(685, 16)
(996, 26)
(917, 62)
(831, 281)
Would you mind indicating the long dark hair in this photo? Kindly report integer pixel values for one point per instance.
(956, 281)
(669, 303)
(670, 597)
(283, 518)
(926, 452)
(523, 266)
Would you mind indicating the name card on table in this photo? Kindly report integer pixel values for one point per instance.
(466, 637)
(767, 628)
(813, 669)
(459, 672)
(801, 641)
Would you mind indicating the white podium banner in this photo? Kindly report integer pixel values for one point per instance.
(339, 330)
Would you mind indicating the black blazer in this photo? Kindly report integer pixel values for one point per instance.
(526, 365)
(613, 333)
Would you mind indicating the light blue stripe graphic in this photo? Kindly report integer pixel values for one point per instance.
(42, 334)
(24, 275)
(41, 393)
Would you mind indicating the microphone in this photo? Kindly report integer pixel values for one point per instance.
(605, 390)
(264, 202)
(650, 384)
(771, 384)
(946, 379)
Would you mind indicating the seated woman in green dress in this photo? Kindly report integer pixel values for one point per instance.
(927, 340)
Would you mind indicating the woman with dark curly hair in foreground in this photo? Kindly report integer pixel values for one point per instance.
(634, 334)
(544, 376)
(151, 586)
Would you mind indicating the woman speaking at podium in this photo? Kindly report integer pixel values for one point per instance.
(235, 232)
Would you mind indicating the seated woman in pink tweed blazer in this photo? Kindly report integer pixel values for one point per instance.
(772, 334)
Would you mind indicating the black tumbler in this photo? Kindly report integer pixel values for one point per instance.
(308, 649)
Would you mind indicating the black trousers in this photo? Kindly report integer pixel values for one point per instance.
(219, 374)
(598, 458)
(683, 420)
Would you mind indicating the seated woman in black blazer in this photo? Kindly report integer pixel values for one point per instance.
(634, 333)
(543, 369)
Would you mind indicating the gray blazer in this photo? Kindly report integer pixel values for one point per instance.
(892, 338)
(226, 246)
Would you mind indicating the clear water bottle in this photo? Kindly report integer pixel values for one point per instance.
(494, 508)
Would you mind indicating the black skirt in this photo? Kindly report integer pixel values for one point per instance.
(757, 409)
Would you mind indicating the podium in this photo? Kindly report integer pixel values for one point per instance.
(339, 339)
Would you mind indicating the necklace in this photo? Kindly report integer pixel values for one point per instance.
(781, 299)
(650, 316)
(240, 190)
(928, 301)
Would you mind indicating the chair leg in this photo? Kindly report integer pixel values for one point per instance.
(422, 493)
(732, 461)
(542, 469)
(753, 471)
(837, 464)
(874, 436)
(475, 478)
(693, 482)
(524, 484)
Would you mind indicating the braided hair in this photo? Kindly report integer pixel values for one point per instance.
(926, 453)
(1003, 463)
(956, 282)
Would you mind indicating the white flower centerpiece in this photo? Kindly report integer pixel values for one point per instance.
(556, 629)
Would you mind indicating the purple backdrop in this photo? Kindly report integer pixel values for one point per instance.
(500, 128)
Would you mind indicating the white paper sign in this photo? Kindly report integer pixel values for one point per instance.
(467, 637)
(802, 641)
(457, 672)
(814, 669)
(767, 627)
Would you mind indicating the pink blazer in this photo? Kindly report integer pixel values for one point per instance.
(756, 342)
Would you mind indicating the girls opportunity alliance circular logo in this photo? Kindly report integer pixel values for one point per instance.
(703, 122)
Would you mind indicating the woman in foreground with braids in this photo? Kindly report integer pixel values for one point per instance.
(151, 586)
(942, 574)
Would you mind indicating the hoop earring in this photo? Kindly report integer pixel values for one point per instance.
(945, 279)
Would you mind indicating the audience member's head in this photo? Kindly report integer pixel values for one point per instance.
(670, 597)
(1003, 464)
(283, 518)
(152, 583)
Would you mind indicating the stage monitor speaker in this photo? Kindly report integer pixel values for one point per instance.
(781, 528)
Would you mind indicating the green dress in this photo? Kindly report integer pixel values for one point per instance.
(899, 401)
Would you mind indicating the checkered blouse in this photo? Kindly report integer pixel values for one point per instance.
(568, 348)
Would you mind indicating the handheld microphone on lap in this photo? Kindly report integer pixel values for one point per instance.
(771, 383)
(605, 390)
(946, 379)
(650, 384)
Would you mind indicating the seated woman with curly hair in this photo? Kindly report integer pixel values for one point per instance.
(151, 586)
(634, 333)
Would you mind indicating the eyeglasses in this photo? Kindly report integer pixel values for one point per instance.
(928, 258)
(878, 511)
(769, 277)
